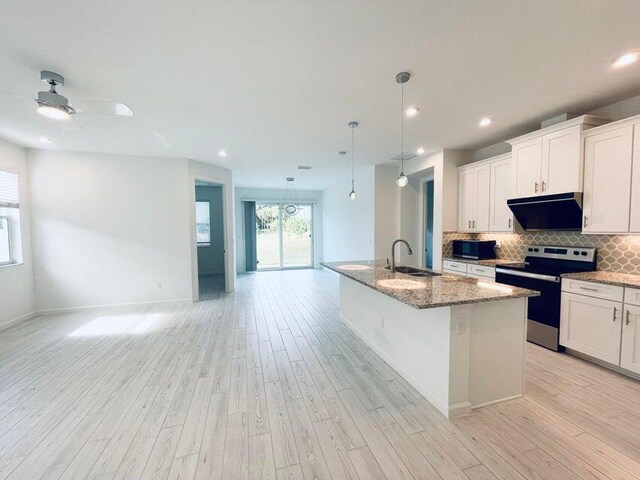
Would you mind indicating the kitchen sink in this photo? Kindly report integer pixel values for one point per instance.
(415, 272)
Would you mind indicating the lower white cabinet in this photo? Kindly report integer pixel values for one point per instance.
(592, 326)
(472, 270)
(595, 321)
(630, 351)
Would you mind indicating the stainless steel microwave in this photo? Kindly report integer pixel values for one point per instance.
(474, 249)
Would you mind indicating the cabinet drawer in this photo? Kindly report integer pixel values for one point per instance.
(632, 296)
(457, 267)
(453, 272)
(482, 271)
(598, 290)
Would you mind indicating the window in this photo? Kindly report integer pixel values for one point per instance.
(203, 224)
(10, 245)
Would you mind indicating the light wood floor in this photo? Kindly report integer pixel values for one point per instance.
(266, 383)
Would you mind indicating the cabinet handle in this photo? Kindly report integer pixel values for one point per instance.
(474, 224)
(615, 311)
(544, 186)
(584, 223)
(589, 289)
(627, 321)
(536, 187)
(509, 223)
(469, 223)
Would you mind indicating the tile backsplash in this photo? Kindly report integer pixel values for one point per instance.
(616, 253)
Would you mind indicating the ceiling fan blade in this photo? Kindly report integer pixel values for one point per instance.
(72, 126)
(22, 97)
(98, 107)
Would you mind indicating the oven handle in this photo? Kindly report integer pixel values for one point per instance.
(549, 278)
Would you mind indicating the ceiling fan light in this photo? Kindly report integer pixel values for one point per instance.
(402, 180)
(55, 113)
(352, 194)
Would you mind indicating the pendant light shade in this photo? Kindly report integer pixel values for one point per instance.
(353, 126)
(402, 78)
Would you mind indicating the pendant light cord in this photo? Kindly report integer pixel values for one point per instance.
(402, 129)
(352, 158)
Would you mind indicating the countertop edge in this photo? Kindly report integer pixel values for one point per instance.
(605, 281)
(530, 293)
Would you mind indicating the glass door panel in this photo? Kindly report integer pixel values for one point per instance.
(268, 236)
(297, 246)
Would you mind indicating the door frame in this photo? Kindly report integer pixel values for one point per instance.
(280, 233)
(227, 218)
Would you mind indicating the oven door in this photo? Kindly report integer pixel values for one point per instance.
(543, 312)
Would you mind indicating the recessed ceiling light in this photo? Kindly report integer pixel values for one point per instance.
(412, 111)
(420, 151)
(625, 59)
(44, 139)
(222, 153)
(486, 121)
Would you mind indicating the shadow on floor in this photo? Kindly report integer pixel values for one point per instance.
(211, 286)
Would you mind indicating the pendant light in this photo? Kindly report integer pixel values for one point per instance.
(353, 126)
(290, 204)
(402, 78)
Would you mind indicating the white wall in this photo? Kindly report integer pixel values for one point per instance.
(349, 225)
(387, 210)
(111, 229)
(17, 287)
(277, 195)
(211, 257)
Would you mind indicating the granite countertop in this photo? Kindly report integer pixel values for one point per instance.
(610, 278)
(426, 292)
(487, 263)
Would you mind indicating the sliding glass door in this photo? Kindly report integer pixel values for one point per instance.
(284, 240)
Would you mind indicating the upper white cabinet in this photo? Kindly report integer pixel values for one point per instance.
(527, 165)
(634, 223)
(550, 160)
(562, 161)
(607, 180)
(500, 216)
(483, 190)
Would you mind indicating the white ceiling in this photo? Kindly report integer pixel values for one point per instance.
(276, 82)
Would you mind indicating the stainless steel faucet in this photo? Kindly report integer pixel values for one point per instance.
(393, 253)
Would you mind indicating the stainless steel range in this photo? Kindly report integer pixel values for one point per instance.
(541, 271)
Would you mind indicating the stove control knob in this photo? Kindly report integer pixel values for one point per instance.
(584, 254)
(530, 249)
(576, 252)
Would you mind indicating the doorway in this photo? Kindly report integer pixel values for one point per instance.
(280, 240)
(428, 223)
(210, 239)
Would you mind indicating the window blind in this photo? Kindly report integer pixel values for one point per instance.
(9, 190)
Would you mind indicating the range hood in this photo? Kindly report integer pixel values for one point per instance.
(562, 211)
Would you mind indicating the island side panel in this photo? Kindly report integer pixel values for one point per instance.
(414, 342)
(497, 351)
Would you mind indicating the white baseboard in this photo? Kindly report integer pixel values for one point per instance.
(495, 402)
(19, 319)
(424, 391)
(53, 311)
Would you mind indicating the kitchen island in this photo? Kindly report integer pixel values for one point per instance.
(459, 341)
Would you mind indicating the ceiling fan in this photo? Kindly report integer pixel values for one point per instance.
(57, 107)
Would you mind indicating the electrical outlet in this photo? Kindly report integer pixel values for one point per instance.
(461, 326)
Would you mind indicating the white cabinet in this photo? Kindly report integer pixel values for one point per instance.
(483, 190)
(472, 270)
(634, 224)
(500, 216)
(482, 187)
(592, 326)
(466, 195)
(607, 180)
(594, 321)
(630, 350)
(527, 164)
(562, 161)
(550, 161)
(459, 268)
